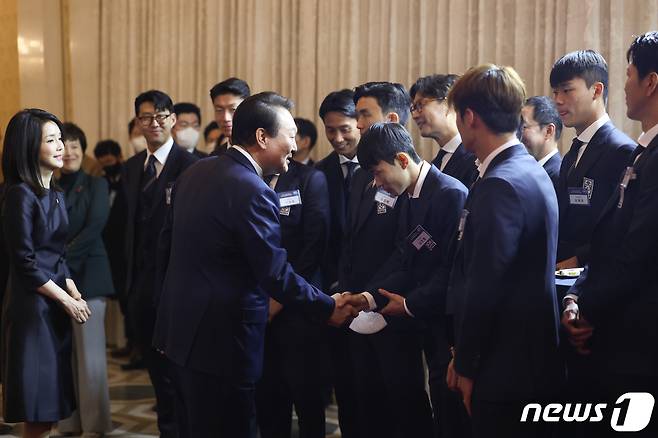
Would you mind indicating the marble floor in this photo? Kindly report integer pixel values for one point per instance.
(132, 401)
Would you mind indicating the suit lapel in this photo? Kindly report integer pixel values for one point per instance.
(591, 155)
(423, 203)
(454, 161)
(169, 172)
(134, 170)
(73, 196)
(366, 200)
(336, 181)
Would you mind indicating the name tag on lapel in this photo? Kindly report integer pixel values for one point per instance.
(284, 211)
(588, 184)
(383, 197)
(462, 224)
(288, 199)
(578, 196)
(420, 238)
(168, 195)
(629, 175)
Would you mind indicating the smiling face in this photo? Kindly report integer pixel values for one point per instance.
(342, 133)
(391, 177)
(156, 132)
(51, 153)
(431, 115)
(73, 155)
(279, 148)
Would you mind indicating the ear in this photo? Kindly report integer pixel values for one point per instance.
(173, 119)
(304, 141)
(598, 89)
(550, 132)
(261, 138)
(651, 83)
(469, 118)
(393, 117)
(403, 159)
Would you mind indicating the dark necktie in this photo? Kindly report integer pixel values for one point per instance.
(351, 168)
(439, 158)
(148, 186)
(573, 154)
(268, 179)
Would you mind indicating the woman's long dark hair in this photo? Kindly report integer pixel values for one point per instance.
(20, 158)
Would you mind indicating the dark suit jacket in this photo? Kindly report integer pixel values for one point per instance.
(225, 260)
(460, 166)
(603, 161)
(552, 167)
(304, 235)
(88, 206)
(4, 257)
(618, 292)
(408, 270)
(141, 264)
(332, 170)
(197, 153)
(370, 236)
(115, 239)
(503, 282)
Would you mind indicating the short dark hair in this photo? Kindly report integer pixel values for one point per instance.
(584, 64)
(495, 93)
(209, 127)
(433, 86)
(258, 111)
(187, 108)
(382, 142)
(390, 96)
(306, 128)
(643, 54)
(107, 147)
(20, 158)
(234, 86)
(131, 126)
(545, 112)
(72, 132)
(340, 102)
(160, 100)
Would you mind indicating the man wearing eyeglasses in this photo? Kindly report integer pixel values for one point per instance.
(148, 178)
(437, 120)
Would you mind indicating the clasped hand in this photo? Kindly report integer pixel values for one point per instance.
(347, 308)
(578, 328)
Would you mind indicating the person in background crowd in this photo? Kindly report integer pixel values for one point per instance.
(225, 97)
(136, 140)
(187, 129)
(88, 206)
(213, 137)
(307, 136)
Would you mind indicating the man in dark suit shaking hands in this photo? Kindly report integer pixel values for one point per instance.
(502, 282)
(225, 261)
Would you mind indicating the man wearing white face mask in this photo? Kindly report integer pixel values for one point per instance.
(137, 141)
(187, 130)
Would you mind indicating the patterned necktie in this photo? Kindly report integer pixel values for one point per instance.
(351, 168)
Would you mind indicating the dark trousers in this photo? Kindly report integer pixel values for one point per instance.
(450, 417)
(343, 381)
(502, 419)
(159, 370)
(295, 372)
(210, 406)
(390, 384)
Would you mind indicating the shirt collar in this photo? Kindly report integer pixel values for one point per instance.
(547, 157)
(647, 137)
(259, 170)
(453, 144)
(342, 159)
(161, 153)
(482, 167)
(424, 170)
(587, 134)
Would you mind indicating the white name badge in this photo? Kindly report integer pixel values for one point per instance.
(287, 199)
(385, 198)
(420, 238)
(578, 196)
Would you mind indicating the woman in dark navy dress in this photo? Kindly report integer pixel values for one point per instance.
(40, 296)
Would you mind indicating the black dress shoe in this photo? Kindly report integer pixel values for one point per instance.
(137, 364)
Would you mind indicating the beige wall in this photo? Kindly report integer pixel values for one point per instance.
(9, 76)
(88, 59)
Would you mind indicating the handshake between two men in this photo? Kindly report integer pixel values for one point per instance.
(348, 306)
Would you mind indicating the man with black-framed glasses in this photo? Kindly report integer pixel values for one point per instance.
(437, 120)
(148, 178)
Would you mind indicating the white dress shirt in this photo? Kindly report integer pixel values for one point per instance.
(342, 159)
(482, 167)
(647, 137)
(450, 149)
(253, 162)
(587, 134)
(547, 157)
(161, 155)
